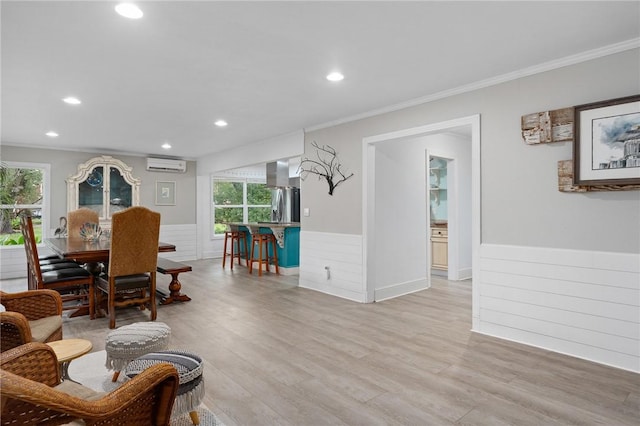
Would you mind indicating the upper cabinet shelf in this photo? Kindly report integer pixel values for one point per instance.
(103, 184)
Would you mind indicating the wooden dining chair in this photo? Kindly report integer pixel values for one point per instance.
(77, 218)
(130, 278)
(74, 283)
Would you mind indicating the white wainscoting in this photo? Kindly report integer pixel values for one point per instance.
(581, 303)
(13, 260)
(342, 254)
(183, 237)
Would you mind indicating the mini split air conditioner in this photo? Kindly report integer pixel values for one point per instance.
(166, 165)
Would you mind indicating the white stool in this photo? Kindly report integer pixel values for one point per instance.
(128, 342)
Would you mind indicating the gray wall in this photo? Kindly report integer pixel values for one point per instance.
(521, 204)
(65, 163)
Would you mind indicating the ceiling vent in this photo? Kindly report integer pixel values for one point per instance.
(166, 165)
(278, 174)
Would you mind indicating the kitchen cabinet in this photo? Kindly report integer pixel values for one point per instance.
(437, 184)
(103, 184)
(439, 248)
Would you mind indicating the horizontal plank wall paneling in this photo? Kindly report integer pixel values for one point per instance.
(581, 303)
(342, 255)
(13, 261)
(183, 237)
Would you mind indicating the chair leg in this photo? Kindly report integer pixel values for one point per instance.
(112, 310)
(152, 302)
(92, 305)
(275, 253)
(231, 256)
(250, 259)
(114, 378)
(267, 259)
(260, 256)
(237, 238)
(224, 250)
(194, 417)
(246, 249)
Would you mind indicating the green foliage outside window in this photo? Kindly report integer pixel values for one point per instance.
(20, 189)
(230, 205)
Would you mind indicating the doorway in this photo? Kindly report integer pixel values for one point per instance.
(438, 215)
(379, 233)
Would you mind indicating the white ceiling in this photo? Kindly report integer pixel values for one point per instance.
(261, 65)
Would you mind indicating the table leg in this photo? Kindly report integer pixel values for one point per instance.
(174, 295)
(64, 372)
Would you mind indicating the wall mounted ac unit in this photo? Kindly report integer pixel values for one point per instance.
(166, 165)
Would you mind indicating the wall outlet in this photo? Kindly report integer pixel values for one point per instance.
(306, 212)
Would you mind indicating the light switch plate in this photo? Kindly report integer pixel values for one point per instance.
(306, 212)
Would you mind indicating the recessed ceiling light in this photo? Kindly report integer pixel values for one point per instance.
(52, 134)
(129, 10)
(220, 123)
(72, 100)
(166, 145)
(335, 76)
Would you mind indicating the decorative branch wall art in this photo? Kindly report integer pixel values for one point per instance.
(325, 165)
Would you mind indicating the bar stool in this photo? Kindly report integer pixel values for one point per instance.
(262, 241)
(234, 235)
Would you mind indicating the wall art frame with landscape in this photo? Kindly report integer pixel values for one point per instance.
(607, 142)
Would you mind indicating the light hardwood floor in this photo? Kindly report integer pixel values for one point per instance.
(276, 354)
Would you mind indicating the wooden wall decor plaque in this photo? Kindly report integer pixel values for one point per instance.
(548, 126)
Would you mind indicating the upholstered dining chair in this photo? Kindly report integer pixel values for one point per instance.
(77, 218)
(33, 394)
(30, 316)
(130, 278)
(74, 283)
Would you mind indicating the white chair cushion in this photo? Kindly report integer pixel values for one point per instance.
(43, 328)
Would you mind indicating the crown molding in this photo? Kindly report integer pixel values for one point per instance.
(493, 81)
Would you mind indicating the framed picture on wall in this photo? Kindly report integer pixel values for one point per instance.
(606, 148)
(165, 193)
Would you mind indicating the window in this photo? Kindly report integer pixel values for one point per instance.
(23, 186)
(239, 201)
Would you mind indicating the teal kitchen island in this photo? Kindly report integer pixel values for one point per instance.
(288, 242)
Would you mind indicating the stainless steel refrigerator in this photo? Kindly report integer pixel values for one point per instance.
(285, 205)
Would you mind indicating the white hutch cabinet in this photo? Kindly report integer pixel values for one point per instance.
(103, 184)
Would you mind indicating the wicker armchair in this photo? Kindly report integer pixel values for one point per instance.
(33, 394)
(34, 315)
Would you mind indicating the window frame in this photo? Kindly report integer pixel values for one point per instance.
(45, 206)
(245, 206)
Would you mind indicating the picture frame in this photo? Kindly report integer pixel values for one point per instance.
(606, 148)
(165, 193)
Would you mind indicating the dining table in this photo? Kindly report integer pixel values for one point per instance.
(91, 253)
(82, 251)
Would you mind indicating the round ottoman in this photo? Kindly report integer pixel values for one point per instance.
(128, 342)
(189, 367)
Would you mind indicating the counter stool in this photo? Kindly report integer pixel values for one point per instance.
(262, 241)
(191, 382)
(234, 235)
(126, 343)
